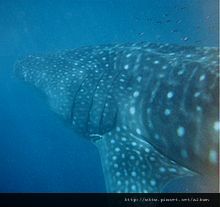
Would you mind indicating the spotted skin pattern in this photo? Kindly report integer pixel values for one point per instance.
(151, 109)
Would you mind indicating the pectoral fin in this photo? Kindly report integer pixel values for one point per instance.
(133, 165)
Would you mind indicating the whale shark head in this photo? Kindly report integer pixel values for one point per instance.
(151, 109)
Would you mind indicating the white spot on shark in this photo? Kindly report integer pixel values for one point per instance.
(132, 110)
(118, 174)
(198, 108)
(124, 139)
(180, 72)
(172, 169)
(162, 169)
(196, 94)
(126, 67)
(184, 153)
(180, 131)
(133, 187)
(202, 77)
(213, 156)
(115, 165)
(118, 129)
(132, 157)
(133, 173)
(114, 158)
(139, 78)
(156, 62)
(134, 144)
(152, 182)
(138, 131)
(170, 94)
(167, 112)
(216, 126)
(119, 182)
(117, 149)
(164, 67)
(147, 150)
(136, 94)
(112, 141)
(152, 158)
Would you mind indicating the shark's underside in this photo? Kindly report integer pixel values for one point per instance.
(152, 109)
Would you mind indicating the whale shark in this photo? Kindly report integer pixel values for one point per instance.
(151, 109)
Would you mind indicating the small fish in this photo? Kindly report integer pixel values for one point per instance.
(174, 30)
(141, 34)
(185, 39)
(179, 21)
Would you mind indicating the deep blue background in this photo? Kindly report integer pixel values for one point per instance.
(38, 153)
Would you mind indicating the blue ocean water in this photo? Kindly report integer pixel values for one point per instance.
(38, 153)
